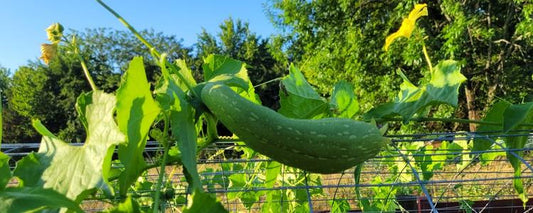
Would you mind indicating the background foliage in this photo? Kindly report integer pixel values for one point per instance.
(328, 40)
(343, 39)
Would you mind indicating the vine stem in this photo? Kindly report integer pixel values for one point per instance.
(166, 145)
(125, 23)
(428, 60)
(149, 45)
(269, 81)
(456, 120)
(82, 62)
(87, 74)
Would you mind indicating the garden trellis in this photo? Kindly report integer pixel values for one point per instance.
(469, 181)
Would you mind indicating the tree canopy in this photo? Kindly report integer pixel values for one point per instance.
(343, 40)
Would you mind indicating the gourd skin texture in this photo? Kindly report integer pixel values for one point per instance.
(326, 145)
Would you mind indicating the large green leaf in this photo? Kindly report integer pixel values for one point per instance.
(5, 172)
(136, 111)
(443, 88)
(513, 116)
(517, 143)
(73, 170)
(200, 202)
(495, 114)
(182, 123)
(219, 68)
(516, 114)
(27, 199)
(186, 73)
(344, 101)
(298, 99)
(509, 116)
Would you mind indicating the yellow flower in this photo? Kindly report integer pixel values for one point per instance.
(408, 24)
(54, 33)
(48, 52)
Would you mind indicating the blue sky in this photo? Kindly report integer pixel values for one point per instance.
(23, 22)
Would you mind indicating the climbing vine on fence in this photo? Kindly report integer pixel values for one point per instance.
(60, 175)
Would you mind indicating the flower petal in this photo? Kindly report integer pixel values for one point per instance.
(419, 11)
(408, 24)
(48, 52)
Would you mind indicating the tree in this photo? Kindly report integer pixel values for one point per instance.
(23, 95)
(343, 39)
(236, 41)
(5, 83)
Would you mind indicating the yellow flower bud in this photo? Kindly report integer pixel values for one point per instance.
(48, 52)
(54, 33)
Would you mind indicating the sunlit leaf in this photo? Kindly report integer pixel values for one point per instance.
(344, 101)
(27, 199)
(443, 88)
(298, 99)
(408, 24)
(218, 68)
(136, 111)
(186, 73)
(73, 170)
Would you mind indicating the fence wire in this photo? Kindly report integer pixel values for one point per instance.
(402, 179)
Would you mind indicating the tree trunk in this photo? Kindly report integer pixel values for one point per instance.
(473, 113)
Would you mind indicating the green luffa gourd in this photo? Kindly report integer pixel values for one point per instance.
(326, 145)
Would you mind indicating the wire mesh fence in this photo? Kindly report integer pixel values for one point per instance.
(439, 172)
